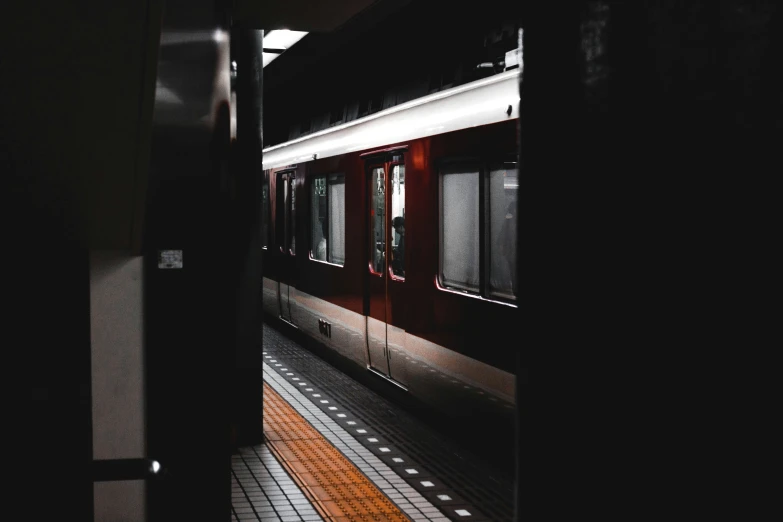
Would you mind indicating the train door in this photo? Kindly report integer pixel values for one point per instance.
(386, 266)
(286, 231)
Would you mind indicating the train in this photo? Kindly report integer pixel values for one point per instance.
(391, 241)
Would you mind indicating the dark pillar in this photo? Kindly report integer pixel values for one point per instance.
(642, 124)
(247, 378)
(189, 300)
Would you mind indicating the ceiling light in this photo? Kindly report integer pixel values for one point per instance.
(282, 38)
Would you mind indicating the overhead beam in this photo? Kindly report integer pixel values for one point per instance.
(301, 15)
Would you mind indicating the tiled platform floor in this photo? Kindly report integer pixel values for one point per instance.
(262, 490)
(443, 489)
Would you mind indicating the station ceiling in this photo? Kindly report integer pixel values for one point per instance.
(346, 22)
(300, 15)
(307, 15)
(363, 33)
(388, 49)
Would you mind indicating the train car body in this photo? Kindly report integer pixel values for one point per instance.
(430, 305)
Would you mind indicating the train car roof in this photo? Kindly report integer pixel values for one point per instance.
(485, 101)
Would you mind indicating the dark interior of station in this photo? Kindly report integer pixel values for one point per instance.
(645, 130)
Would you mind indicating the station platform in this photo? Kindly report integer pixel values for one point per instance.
(336, 450)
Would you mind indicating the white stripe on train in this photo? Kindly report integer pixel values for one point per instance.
(477, 103)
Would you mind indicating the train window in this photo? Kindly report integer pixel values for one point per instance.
(318, 213)
(479, 228)
(336, 195)
(377, 219)
(460, 245)
(328, 218)
(503, 190)
(398, 220)
(286, 211)
(291, 208)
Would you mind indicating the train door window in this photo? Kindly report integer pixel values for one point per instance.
(377, 219)
(291, 221)
(503, 190)
(318, 213)
(286, 211)
(460, 242)
(265, 210)
(398, 220)
(328, 219)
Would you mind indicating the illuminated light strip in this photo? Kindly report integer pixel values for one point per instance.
(477, 103)
(332, 483)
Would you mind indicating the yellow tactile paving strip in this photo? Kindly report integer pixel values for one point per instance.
(336, 488)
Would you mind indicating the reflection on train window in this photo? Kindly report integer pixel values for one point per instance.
(265, 210)
(398, 220)
(503, 190)
(328, 218)
(286, 211)
(479, 228)
(291, 221)
(377, 219)
(460, 251)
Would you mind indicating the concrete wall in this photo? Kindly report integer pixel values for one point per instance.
(118, 399)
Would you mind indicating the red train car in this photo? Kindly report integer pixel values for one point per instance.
(391, 239)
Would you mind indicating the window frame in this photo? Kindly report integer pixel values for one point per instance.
(385, 159)
(311, 183)
(389, 228)
(266, 211)
(483, 165)
(369, 167)
(288, 214)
